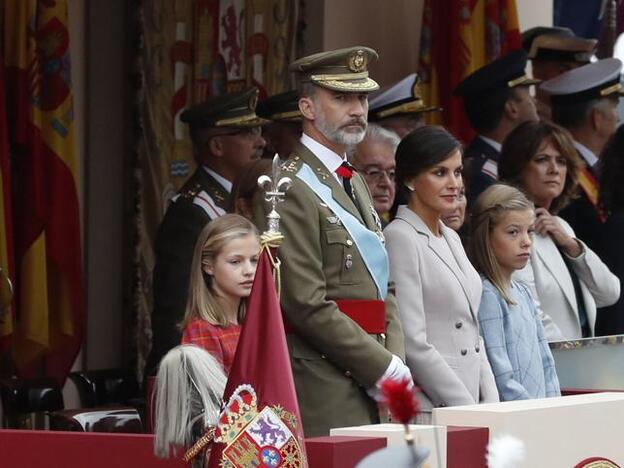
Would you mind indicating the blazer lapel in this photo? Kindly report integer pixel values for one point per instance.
(418, 224)
(466, 268)
(327, 178)
(551, 258)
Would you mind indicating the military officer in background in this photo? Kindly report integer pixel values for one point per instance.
(553, 51)
(225, 132)
(585, 101)
(400, 108)
(496, 99)
(344, 334)
(283, 131)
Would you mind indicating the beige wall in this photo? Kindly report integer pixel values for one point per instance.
(392, 27)
(534, 13)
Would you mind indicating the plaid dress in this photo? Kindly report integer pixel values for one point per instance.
(217, 340)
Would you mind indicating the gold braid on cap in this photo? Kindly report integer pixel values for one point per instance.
(517, 81)
(611, 89)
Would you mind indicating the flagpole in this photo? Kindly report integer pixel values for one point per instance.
(275, 188)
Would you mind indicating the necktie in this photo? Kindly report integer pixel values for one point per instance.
(345, 170)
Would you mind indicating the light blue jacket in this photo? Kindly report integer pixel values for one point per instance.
(516, 344)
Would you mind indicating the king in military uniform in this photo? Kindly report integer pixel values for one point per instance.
(344, 333)
(225, 132)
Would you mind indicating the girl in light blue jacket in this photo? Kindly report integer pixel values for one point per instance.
(515, 341)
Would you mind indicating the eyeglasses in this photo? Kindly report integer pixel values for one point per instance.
(378, 174)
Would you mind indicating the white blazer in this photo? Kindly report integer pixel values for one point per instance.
(438, 305)
(551, 284)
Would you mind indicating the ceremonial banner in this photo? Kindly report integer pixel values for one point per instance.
(50, 307)
(261, 424)
(457, 38)
(6, 222)
(192, 50)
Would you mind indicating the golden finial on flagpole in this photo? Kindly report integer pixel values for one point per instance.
(275, 188)
(274, 192)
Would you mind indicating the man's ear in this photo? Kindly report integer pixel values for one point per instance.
(597, 118)
(306, 107)
(215, 145)
(511, 109)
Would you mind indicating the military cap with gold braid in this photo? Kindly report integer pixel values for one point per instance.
(283, 107)
(596, 80)
(227, 110)
(557, 44)
(344, 70)
(399, 99)
(505, 72)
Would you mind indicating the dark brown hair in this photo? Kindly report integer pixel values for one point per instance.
(524, 142)
(421, 149)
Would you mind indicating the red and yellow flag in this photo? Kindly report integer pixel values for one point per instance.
(455, 45)
(48, 261)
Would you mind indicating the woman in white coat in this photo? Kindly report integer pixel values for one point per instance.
(566, 277)
(437, 289)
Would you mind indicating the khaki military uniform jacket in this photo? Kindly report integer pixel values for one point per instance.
(333, 359)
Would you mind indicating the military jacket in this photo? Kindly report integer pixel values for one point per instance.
(201, 199)
(480, 168)
(333, 359)
(584, 218)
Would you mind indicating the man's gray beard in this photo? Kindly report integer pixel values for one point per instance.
(337, 135)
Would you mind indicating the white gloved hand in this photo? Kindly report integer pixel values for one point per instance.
(396, 371)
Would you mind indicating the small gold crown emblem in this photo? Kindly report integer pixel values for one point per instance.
(357, 61)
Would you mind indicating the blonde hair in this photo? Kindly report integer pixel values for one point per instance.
(487, 212)
(202, 301)
(189, 388)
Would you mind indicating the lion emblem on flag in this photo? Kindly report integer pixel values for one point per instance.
(253, 438)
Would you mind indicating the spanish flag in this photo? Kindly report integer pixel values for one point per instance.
(49, 287)
(260, 424)
(457, 38)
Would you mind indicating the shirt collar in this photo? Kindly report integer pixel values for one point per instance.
(588, 155)
(226, 184)
(494, 144)
(329, 159)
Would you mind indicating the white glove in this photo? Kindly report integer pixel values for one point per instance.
(396, 371)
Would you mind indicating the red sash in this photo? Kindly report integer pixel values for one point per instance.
(368, 314)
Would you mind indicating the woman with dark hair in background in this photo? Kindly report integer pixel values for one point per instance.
(566, 277)
(437, 289)
(610, 320)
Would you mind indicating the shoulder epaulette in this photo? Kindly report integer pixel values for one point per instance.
(191, 192)
(292, 164)
(490, 168)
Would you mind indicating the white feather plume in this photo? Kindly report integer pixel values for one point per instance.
(505, 451)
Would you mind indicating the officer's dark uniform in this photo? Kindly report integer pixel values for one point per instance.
(480, 167)
(597, 80)
(495, 78)
(201, 199)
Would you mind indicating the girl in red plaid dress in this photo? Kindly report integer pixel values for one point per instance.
(222, 273)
